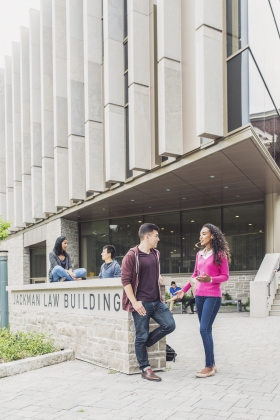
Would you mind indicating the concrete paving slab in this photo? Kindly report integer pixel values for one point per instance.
(243, 388)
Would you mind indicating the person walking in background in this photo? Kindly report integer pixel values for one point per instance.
(174, 298)
(141, 281)
(60, 263)
(110, 268)
(211, 269)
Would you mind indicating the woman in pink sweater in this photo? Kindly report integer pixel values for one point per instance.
(211, 269)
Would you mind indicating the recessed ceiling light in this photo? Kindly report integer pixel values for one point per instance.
(183, 238)
(171, 252)
(237, 196)
(150, 207)
(132, 200)
(260, 231)
(162, 228)
(139, 221)
(236, 216)
(172, 231)
(174, 250)
(183, 198)
(225, 186)
(103, 209)
(192, 221)
(167, 189)
(212, 176)
(250, 224)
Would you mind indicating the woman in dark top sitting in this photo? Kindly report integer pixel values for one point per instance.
(61, 266)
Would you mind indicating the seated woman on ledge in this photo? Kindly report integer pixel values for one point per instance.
(61, 266)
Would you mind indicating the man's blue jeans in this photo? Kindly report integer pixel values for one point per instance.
(59, 272)
(159, 312)
(207, 308)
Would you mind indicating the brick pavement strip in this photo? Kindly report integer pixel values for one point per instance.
(243, 388)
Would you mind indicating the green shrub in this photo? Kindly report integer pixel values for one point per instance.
(19, 345)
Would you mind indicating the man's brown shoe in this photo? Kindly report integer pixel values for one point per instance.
(150, 375)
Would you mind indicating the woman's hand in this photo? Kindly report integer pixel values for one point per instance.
(70, 272)
(180, 294)
(204, 279)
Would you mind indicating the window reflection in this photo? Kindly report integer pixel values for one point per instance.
(94, 235)
(237, 25)
(250, 102)
(192, 222)
(179, 234)
(244, 229)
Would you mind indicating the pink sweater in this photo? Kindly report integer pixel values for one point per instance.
(218, 275)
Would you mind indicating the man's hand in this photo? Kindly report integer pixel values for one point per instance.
(204, 279)
(137, 305)
(160, 281)
(180, 294)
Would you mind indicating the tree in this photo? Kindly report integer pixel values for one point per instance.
(4, 226)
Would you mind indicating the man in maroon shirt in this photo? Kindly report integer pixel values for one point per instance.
(141, 282)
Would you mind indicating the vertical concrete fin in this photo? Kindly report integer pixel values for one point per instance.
(75, 89)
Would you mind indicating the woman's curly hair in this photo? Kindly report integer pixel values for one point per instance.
(218, 244)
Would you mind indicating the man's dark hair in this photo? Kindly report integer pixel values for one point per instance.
(57, 249)
(173, 282)
(110, 250)
(146, 228)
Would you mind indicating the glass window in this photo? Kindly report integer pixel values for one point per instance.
(170, 242)
(192, 222)
(38, 262)
(124, 235)
(94, 236)
(265, 44)
(243, 226)
(237, 25)
(249, 102)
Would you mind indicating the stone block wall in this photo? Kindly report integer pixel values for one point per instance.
(107, 342)
(69, 228)
(18, 260)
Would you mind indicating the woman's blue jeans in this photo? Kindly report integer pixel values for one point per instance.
(143, 338)
(207, 308)
(59, 272)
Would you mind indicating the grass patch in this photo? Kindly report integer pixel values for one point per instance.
(19, 345)
(81, 411)
(112, 371)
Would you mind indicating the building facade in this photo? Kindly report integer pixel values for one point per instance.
(119, 112)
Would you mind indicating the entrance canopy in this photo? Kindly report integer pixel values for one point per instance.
(235, 170)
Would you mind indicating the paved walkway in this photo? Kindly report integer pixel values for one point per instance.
(247, 385)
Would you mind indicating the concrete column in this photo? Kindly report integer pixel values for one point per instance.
(114, 90)
(25, 127)
(75, 94)
(60, 102)
(272, 223)
(35, 115)
(139, 85)
(209, 82)
(46, 68)
(9, 142)
(169, 78)
(16, 135)
(93, 69)
(2, 146)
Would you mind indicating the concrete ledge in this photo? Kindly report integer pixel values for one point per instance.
(37, 362)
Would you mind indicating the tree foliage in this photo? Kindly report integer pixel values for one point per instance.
(4, 226)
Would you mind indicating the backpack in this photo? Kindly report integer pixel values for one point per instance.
(170, 354)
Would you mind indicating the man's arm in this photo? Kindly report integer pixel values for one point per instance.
(128, 268)
(137, 304)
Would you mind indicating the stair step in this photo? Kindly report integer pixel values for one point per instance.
(277, 297)
(274, 313)
(275, 307)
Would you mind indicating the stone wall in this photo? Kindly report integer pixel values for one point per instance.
(99, 336)
(18, 260)
(71, 231)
